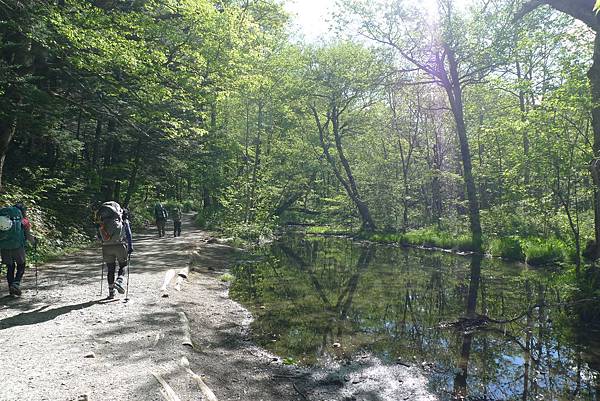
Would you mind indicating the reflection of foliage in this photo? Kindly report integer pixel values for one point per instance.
(319, 291)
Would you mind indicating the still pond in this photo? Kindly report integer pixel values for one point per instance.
(318, 298)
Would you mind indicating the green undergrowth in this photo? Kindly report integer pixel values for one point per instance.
(327, 230)
(545, 251)
(227, 277)
(507, 248)
(534, 251)
(58, 231)
(425, 237)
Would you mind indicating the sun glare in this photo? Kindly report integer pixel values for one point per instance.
(311, 18)
(431, 6)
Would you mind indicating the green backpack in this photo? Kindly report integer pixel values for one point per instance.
(14, 236)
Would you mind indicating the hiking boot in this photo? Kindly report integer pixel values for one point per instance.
(11, 290)
(119, 286)
(111, 294)
(16, 291)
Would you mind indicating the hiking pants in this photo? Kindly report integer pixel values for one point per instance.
(111, 254)
(14, 259)
(110, 275)
(160, 224)
(176, 228)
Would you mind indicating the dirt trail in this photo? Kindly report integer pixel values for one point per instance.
(66, 344)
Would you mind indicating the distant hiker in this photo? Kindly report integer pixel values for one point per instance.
(160, 215)
(176, 221)
(115, 233)
(15, 232)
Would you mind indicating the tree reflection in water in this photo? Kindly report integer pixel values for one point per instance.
(460, 380)
(392, 302)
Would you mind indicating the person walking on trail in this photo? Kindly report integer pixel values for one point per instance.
(177, 221)
(15, 232)
(160, 215)
(115, 233)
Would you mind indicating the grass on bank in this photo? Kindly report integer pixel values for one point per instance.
(531, 250)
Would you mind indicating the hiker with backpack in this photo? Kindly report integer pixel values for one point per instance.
(15, 232)
(160, 215)
(176, 221)
(115, 233)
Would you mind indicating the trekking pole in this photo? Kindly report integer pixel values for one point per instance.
(128, 269)
(35, 262)
(101, 277)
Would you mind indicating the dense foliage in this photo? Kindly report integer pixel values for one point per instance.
(458, 127)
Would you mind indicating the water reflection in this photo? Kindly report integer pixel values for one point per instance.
(460, 380)
(311, 295)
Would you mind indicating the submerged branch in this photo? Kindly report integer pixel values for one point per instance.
(481, 320)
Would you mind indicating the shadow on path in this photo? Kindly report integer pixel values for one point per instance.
(41, 315)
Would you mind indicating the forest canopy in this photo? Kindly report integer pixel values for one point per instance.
(468, 127)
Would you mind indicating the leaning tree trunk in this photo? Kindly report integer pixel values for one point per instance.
(365, 214)
(349, 183)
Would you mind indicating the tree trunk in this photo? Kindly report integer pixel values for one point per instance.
(594, 77)
(436, 188)
(250, 202)
(134, 172)
(454, 91)
(7, 131)
(363, 209)
(96, 146)
(583, 10)
(117, 191)
(523, 108)
(111, 156)
(206, 199)
(287, 203)
(17, 54)
(348, 183)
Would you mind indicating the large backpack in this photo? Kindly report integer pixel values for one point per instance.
(14, 236)
(110, 218)
(176, 214)
(160, 212)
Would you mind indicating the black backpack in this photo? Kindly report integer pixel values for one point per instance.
(110, 219)
(161, 212)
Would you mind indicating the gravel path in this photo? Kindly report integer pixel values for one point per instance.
(66, 343)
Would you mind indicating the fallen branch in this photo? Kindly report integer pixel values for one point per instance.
(166, 390)
(168, 277)
(187, 338)
(208, 393)
(184, 272)
(179, 283)
(182, 275)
